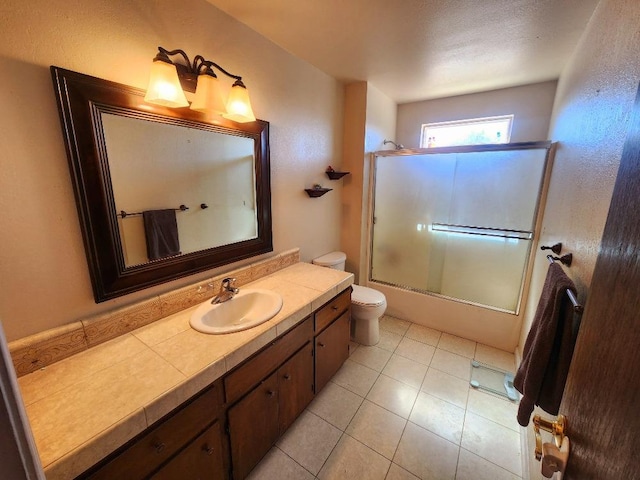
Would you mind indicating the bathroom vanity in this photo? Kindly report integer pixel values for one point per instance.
(238, 394)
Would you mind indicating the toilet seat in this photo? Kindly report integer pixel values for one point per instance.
(367, 297)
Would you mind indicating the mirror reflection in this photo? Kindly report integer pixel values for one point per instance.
(156, 167)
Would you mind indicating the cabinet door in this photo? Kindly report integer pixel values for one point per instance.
(332, 349)
(295, 385)
(201, 459)
(253, 426)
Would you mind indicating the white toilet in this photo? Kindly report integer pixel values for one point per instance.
(367, 304)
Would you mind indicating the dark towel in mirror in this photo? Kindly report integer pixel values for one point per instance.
(548, 349)
(161, 232)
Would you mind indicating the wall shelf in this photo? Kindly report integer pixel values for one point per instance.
(333, 175)
(317, 192)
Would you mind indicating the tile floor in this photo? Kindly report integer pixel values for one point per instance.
(403, 410)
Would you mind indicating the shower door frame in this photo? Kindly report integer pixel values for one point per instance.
(537, 216)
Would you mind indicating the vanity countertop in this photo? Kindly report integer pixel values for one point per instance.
(84, 407)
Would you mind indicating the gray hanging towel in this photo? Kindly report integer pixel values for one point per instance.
(161, 232)
(548, 349)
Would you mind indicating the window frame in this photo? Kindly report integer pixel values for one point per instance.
(424, 136)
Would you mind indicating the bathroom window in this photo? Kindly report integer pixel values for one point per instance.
(475, 131)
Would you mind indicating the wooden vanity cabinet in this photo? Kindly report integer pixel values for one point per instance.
(225, 430)
(265, 411)
(332, 335)
(175, 433)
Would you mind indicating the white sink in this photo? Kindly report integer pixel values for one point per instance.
(248, 308)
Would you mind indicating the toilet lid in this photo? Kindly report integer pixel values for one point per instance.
(367, 296)
(330, 259)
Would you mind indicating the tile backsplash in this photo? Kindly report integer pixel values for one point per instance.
(42, 349)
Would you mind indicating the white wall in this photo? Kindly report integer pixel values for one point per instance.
(44, 279)
(594, 101)
(530, 104)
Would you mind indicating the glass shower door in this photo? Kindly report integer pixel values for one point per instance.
(457, 224)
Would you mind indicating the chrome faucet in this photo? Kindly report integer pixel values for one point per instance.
(227, 291)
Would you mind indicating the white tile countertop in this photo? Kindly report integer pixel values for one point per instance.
(86, 406)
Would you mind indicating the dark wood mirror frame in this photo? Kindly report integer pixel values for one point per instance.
(81, 101)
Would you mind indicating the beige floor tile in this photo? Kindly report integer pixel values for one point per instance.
(388, 340)
(309, 441)
(393, 395)
(276, 465)
(493, 442)
(414, 350)
(398, 473)
(351, 460)
(355, 377)
(336, 405)
(451, 363)
(423, 334)
(446, 387)
(426, 455)
(494, 408)
(372, 357)
(498, 358)
(377, 428)
(473, 467)
(394, 325)
(406, 370)
(353, 346)
(461, 346)
(437, 416)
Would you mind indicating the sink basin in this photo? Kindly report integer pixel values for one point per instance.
(248, 308)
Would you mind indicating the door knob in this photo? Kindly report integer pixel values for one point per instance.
(557, 429)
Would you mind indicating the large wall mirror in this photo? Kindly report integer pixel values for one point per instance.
(137, 167)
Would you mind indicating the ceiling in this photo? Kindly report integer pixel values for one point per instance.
(421, 49)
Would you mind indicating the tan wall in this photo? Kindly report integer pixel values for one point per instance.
(44, 279)
(530, 104)
(369, 119)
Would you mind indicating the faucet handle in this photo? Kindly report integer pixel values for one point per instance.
(228, 282)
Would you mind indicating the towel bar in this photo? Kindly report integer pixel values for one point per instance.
(181, 208)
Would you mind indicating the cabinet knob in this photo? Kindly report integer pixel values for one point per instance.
(287, 376)
(159, 447)
(320, 344)
(334, 307)
(271, 393)
(209, 450)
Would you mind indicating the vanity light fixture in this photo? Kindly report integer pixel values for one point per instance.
(168, 80)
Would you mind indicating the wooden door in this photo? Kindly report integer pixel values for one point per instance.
(332, 349)
(253, 426)
(203, 459)
(602, 396)
(295, 386)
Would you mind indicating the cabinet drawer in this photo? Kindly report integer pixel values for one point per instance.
(332, 310)
(254, 370)
(165, 439)
(203, 458)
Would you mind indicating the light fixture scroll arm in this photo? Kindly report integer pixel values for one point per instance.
(164, 54)
(238, 78)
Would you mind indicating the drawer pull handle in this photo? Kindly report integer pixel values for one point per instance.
(271, 393)
(287, 376)
(209, 450)
(320, 344)
(159, 447)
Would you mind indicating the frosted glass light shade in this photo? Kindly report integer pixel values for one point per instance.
(164, 86)
(239, 106)
(208, 97)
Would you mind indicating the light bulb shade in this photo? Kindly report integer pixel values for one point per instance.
(164, 86)
(239, 106)
(208, 97)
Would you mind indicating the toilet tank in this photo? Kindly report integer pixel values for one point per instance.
(335, 260)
